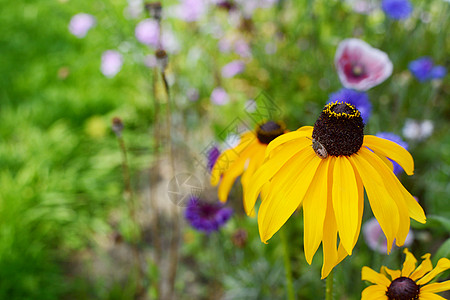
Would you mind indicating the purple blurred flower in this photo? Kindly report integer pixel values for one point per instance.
(213, 155)
(376, 240)
(360, 66)
(193, 94)
(150, 60)
(233, 68)
(147, 32)
(219, 96)
(362, 6)
(205, 216)
(111, 63)
(191, 10)
(397, 9)
(398, 140)
(242, 48)
(80, 24)
(424, 69)
(359, 99)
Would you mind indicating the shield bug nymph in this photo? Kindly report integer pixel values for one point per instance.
(319, 149)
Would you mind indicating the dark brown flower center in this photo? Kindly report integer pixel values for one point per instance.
(340, 129)
(403, 288)
(270, 130)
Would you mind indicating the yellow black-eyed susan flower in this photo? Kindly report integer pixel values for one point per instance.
(410, 283)
(245, 158)
(325, 169)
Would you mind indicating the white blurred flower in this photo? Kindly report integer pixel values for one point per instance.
(417, 130)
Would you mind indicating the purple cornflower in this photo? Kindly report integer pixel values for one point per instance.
(111, 63)
(397, 9)
(147, 32)
(424, 69)
(376, 240)
(80, 24)
(398, 140)
(359, 99)
(233, 68)
(219, 96)
(205, 216)
(213, 155)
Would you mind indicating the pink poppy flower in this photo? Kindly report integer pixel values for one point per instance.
(359, 66)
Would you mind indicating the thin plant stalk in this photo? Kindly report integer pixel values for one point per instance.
(129, 198)
(174, 243)
(153, 177)
(329, 286)
(287, 266)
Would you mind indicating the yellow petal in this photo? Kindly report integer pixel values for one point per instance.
(442, 265)
(430, 296)
(394, 274)
(314, 210)
(235, 169)
(268, 170)
(374, 292)
(423, 268)
(345, 201)
(415, 210)
(256, 161)
(383, 206)
(376, 278)
(287, 137)
(281, 202)
(436, 287)
(391, 150)
(342, 253)
(390, 182)
(307, 129)
(222, 164)
(409, 265)
(386, 161)
(330, 255)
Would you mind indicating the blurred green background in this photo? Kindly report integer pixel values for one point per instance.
(64, 233)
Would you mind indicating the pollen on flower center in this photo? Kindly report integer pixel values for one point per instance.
(403, 288)
(357, 70)
(340, 129)
(270, 130)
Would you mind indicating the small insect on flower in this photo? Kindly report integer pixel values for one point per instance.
(319, 149)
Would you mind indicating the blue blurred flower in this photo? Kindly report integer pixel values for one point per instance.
(205, 216)
(398, 140)
(397, 9)
(424, 69)
(359, 99)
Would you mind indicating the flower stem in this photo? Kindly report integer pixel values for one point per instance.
(287, 266)
(329, 286)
